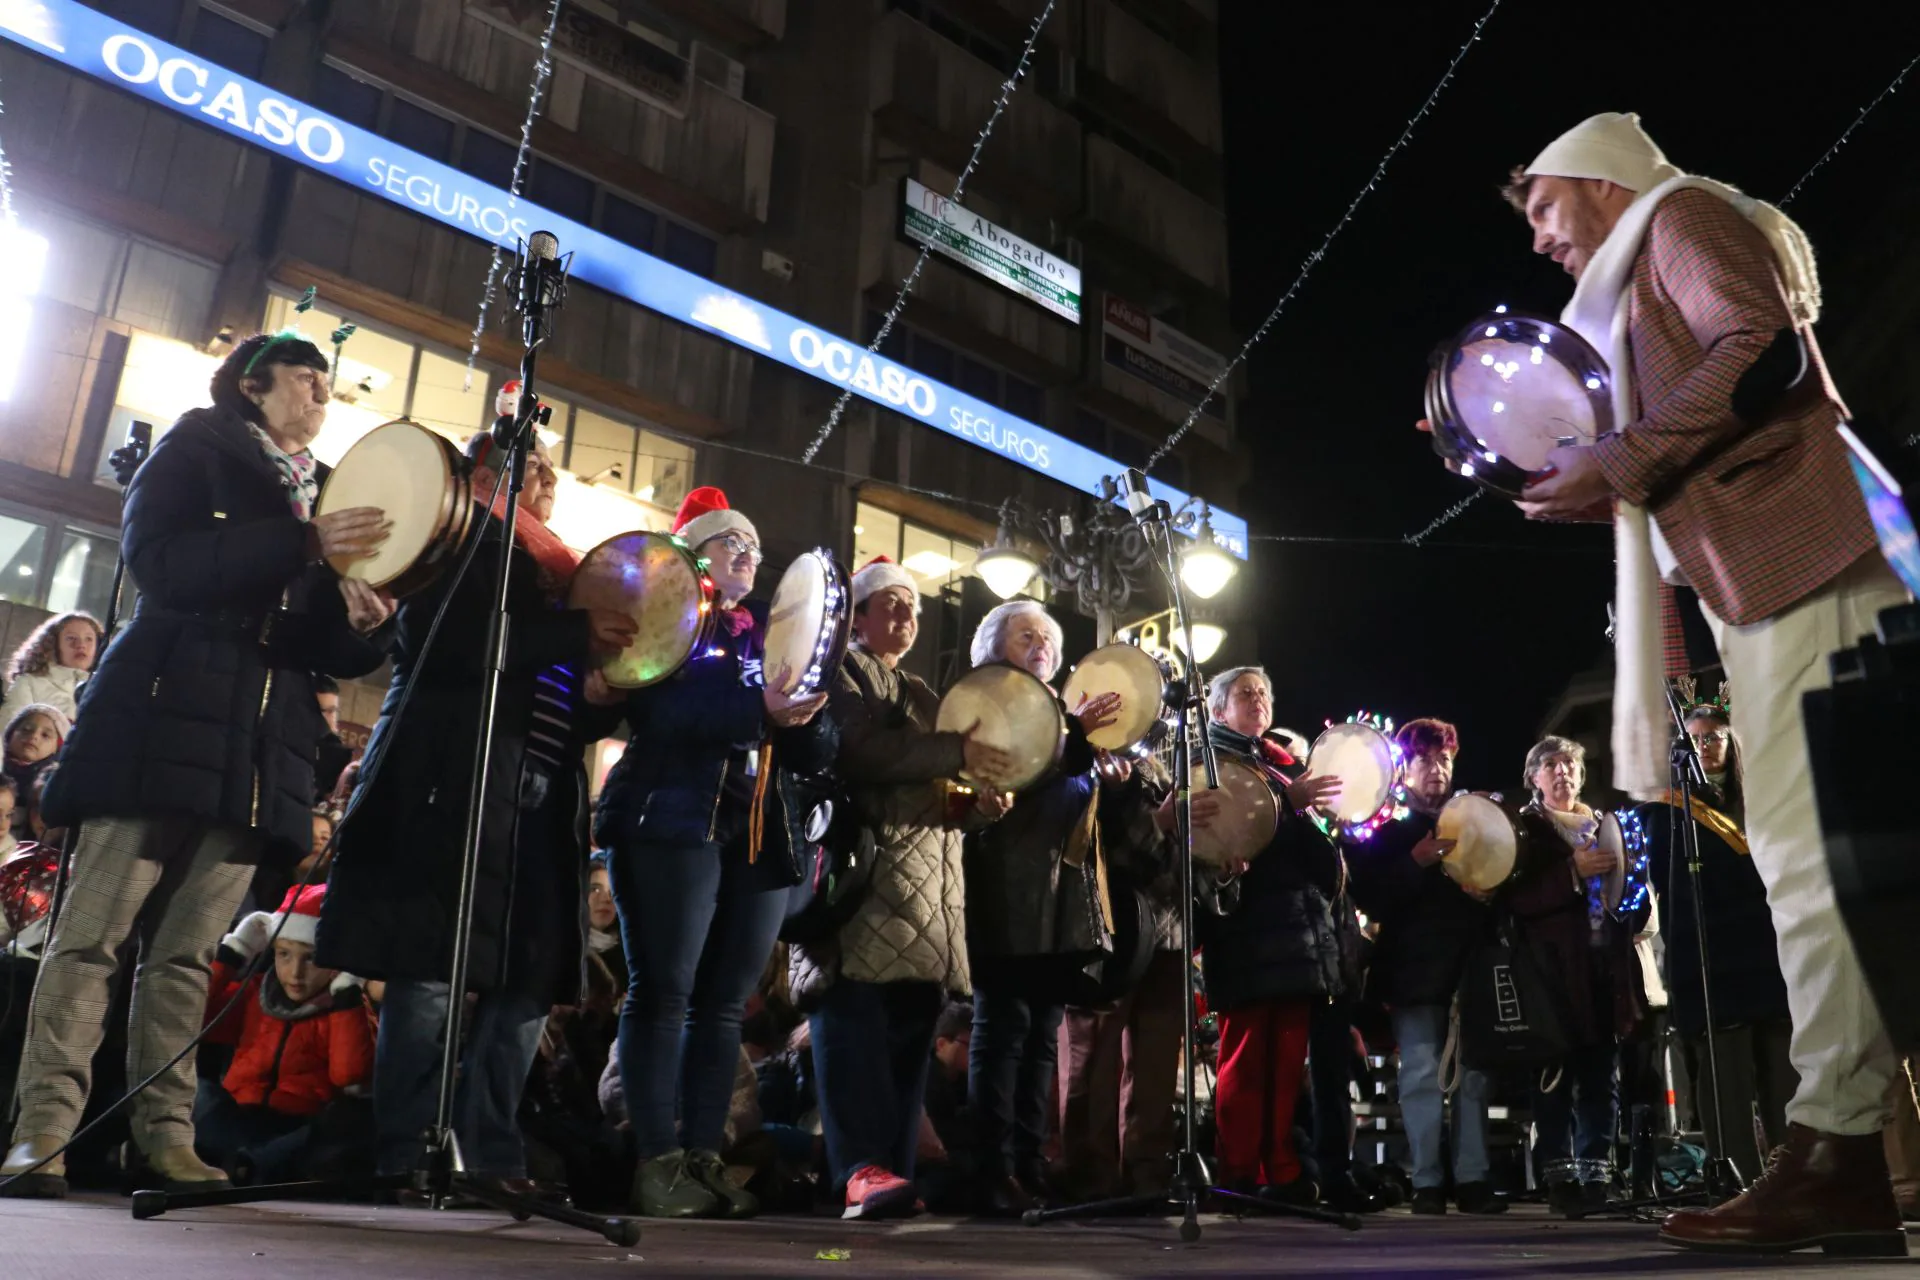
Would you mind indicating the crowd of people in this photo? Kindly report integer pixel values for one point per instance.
(973, 1032)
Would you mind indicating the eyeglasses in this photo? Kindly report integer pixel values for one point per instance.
(737, 546)
(1709, 738)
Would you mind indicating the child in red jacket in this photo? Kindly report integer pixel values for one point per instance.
(292, 1104)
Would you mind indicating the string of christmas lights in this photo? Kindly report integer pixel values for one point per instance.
(1007, 88)
(1893, 86)
(542, 71)
(1313, 259)
(1415, 539)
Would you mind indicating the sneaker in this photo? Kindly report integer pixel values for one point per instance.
(710, 1171)
(874, 1194)
(665, 1187)
(1428, 1200)
(1479, 1197)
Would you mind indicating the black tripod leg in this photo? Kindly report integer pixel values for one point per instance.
(1242, 1202)
(624, 1232)
(151, 1204)
(1119, 1206)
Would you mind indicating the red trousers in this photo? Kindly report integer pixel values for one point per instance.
(1263, 1055)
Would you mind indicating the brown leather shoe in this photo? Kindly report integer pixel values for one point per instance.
(1823, 1190)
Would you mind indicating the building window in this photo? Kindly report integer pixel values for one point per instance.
(629, 223)
(935, 559)
(23, 549)
(932, 358)
(561, 190)
(685, 247)
(981, 380)
(488, 158)
(354, 101)
(1026, 399)
(228, 43)
(156, 17)
(82, 576)
(419, 129)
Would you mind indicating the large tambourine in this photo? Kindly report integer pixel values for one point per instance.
(1248, 814)
(1144, 685)
(1369, 765)
(656, 581)
(1007, 708)
(1507, 390)
(1491, 848)
(809, 623)
(419, 479)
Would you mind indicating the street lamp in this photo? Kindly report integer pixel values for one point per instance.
(1205, 568)
(1004, 567)
(1100, 561)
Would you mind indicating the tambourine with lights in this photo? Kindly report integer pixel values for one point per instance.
(809, 623)
(657, 581)
(1508, 389)
(1372, 770)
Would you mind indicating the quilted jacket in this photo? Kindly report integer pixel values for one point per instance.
(912, 925)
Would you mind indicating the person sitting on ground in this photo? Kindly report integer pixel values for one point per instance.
(292, 1104)
(34, 736)
(51, 664)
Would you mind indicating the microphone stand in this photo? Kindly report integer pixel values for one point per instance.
(1192, 1183)
(441, 1174)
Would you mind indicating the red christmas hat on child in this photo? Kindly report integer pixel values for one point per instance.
(704, 513)
(880, 573)
(300, 913)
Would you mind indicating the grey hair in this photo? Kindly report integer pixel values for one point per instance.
(1221, 686)
(990, 637)
(1554, 745)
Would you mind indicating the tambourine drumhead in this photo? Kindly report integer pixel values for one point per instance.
(1508, 389)
(808, 623)
(1249, 813)
(1487, 842)
(418, 479)
(1136, 676)
(1610, 838)
(655, 581)
(1015, 712)
(1364, 760)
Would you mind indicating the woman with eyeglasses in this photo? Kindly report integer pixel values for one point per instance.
(1751, 1022)
(705, 823)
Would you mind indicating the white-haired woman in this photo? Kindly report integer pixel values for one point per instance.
(1588, 957)
(1033, 921)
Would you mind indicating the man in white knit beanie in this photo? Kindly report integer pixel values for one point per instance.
(1739, 487)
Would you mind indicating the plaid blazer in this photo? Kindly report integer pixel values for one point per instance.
(1757, 517)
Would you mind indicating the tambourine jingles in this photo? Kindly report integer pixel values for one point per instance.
(1508, 389)
(419, 479)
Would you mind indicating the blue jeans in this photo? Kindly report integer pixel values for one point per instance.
(698, 932)
(503, 1035)
(1421, 1031)
(872, 1042)
(1574, 1122)
(1010, 1075)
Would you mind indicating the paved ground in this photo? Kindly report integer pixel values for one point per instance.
(95, 1237)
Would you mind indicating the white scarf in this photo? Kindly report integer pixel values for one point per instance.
(1598, 312)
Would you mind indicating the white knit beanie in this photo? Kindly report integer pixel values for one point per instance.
(1610, 147)
(878, 574)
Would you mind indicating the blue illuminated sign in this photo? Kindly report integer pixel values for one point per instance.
(95, 44)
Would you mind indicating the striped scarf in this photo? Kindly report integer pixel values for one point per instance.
(299, 473)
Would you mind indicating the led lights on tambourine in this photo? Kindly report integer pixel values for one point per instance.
(809, 623)
(1507, 390)
(1372, 770)
(1635, 882)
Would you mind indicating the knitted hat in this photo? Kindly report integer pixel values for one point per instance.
(1611, 147)
(704, 514)
(878, 574)
(301, 912)
(55, 716)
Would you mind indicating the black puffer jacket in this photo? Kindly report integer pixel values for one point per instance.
(1279, 942)
(203, 704)
(1428, 925)
(682, 778)
(395, 882)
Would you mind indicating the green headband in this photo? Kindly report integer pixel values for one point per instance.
(289, 334)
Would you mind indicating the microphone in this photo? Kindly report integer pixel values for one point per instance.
(1139, 501)
(542, 284)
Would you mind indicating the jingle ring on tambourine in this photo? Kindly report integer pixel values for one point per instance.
(1369, 765)
(1507, 390)
(808, 624)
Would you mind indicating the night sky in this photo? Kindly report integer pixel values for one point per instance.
(1486, 636)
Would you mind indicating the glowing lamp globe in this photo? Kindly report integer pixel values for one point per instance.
(1207, 639)
(1206, 569)
(1005, 570)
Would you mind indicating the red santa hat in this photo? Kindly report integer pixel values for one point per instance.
(506, 403)
(880, 573)
(704, 514)
(298, 919)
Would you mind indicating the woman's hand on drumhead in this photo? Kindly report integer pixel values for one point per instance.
(1594, 861)
(366, 607)
(1097, 712)
(1313, 791)
(1431, 849)
(352, 532)
(609, 631)
(785, 709)
(982, 760)
(1206, 807)
(993, 803)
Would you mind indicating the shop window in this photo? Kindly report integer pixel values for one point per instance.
(685, 247)
(876, 532)
(23, 551)
(82, 575)
(443, 400)
(629, 223)
(562, 190)
(354, 101)
(418, 129)
(935, 559)
(601, 450)
(229, 44)
(488, 158)
(663, 471)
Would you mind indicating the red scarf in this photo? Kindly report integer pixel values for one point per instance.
(1274, 754)
(556, 559)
